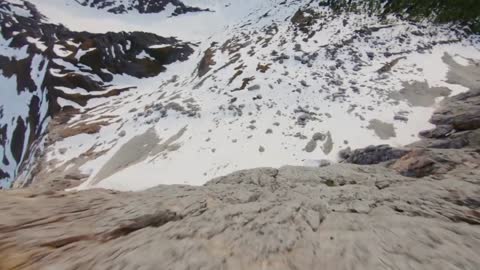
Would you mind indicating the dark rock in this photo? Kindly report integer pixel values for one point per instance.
(318, 136)
(372, 155)
(415, 164)
(18, 140)
(400, 118)
(462, 112)
(206, 62)
(345, 153)
(417, 33)
(440, 131)
(311, 146)
(254, 87)
(382, 184)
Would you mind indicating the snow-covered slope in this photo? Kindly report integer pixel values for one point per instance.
(171, 7)
(269, 83)
(45, 66)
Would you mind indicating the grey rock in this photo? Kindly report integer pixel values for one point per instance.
(462, 112)
(254, 87)
(345, 153)
(324, 163)
(440, 131)
(319, 136)
(311, 146)
(382, 184)
(373, 154)
(328, 144)
(248, 218)
(400, 118)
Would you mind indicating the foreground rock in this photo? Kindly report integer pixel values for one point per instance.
(287, 218)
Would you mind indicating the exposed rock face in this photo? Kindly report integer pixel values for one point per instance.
(461, 112)
(420, 211)
(206, 62)
(290, 218)
(457, 123)
(116, 53)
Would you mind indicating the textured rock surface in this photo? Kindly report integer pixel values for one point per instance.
(339, 216)
(372, 154)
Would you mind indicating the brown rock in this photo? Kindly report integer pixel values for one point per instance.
(414, 164)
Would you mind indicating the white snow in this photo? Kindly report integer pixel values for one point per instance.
(159, 46)
(61, 50)
(81, 52)
(144, 55)
(191, 26)
(40, 45)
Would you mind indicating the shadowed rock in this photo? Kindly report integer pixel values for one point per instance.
(373, 155)
(383, 130)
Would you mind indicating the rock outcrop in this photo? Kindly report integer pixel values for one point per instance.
(416, 209)
(372, 154)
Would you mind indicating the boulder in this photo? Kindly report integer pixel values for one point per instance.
(373, 154)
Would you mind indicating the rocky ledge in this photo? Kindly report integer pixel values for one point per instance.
(411, 208)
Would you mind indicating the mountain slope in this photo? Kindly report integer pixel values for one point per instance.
(45, 65)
